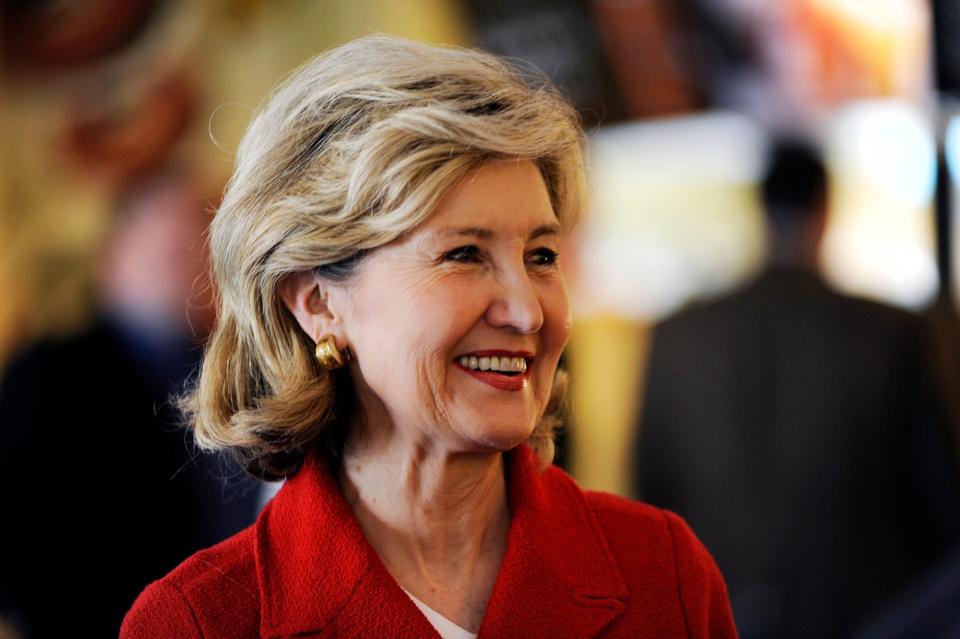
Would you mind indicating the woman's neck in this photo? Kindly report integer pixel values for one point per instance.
(438, 520)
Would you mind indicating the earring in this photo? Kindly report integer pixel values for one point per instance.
(329, 356)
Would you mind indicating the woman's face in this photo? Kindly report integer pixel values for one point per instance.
(475, 288)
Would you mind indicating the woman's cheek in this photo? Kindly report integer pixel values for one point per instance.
(558, 312)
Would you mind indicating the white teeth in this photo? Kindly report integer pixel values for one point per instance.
(501, 364)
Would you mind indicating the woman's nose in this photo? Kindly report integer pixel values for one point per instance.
(516, 305)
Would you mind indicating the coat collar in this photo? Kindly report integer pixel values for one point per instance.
(318, 574)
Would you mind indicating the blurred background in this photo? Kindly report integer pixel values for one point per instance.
(680, 98)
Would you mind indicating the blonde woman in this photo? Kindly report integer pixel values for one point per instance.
(391, 317)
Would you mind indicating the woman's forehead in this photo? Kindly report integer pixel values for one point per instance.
(495, 199)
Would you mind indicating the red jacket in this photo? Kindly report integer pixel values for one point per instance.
(577, 564)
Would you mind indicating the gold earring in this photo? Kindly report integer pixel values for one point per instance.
(329, 356)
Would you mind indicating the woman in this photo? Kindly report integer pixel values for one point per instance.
(391, 318)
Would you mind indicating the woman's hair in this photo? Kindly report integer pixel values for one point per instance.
(351, 151)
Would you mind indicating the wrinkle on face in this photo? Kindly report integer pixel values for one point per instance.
(411, 275)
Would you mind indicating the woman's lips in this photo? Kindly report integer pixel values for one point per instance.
(515, 382)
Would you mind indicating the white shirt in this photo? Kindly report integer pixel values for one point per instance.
(446, 628)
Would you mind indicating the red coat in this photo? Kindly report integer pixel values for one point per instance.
(577, 564)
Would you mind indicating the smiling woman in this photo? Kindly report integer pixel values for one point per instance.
(391, 318)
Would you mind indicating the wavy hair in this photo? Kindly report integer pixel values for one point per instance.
(349, 152)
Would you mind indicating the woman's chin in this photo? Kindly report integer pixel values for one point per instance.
(498, 439)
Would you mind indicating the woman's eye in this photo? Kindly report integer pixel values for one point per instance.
(462, 254)
(544, 257)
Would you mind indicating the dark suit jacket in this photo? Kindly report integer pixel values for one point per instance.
(929, 609)
(577, 565)
(790, 426)
(101, 494)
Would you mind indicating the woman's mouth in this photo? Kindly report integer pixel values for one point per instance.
(504, 370)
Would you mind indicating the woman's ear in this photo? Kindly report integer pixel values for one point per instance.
(307, 298)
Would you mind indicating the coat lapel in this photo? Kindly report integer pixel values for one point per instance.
(317, 573)
(319, 576)
(558, 577)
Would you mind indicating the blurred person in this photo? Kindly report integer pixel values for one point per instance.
(102, 492)
(391, 319)
(795, 429)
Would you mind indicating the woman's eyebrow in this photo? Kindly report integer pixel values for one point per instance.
(466, 231)
(487, 234)
(546, 229)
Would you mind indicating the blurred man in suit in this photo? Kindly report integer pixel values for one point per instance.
(103, 490)
(793, 427)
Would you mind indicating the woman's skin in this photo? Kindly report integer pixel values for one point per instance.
(423, 466)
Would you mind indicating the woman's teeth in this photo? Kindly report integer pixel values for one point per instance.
(499, 364)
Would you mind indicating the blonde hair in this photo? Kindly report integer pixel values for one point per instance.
(352, 150)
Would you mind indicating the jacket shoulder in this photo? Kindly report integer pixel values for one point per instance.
(618, 511)
(658, 552)
(213, 593)
(639, 535)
